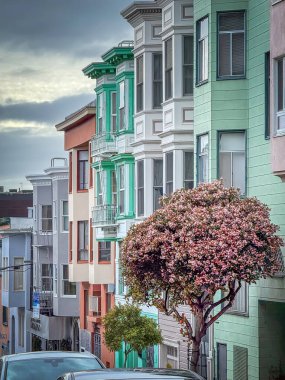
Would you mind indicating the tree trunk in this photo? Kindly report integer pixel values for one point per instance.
(125, 359)
(195, 354)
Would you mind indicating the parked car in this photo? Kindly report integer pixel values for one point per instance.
(132, 374)
(46, 365)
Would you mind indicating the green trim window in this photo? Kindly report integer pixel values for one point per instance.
(169, 173)
(280, 84)
(139, 83)
(140, 187)
(114, 187)
(100, 114)
(168, 69)
(231, 44)
(113, 112)
(188, 172)
(157, 80)
(202, 49)
(122, 189)
(203, 158)
(122, 105)
(104, 251)
(232, 159)
(157, 182)
(187, 65)
(100, 179)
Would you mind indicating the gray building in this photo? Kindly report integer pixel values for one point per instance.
(53, 320)
(16, 281)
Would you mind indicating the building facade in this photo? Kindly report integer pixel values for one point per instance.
(55, 301)
(239, 127)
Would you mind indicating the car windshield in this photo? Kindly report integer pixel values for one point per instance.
(47, 368)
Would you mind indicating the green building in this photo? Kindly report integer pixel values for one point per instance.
(237, 137)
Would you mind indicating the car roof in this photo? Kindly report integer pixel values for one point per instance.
(139, 373)
(47, 354)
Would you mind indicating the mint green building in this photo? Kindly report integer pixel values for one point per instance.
(114, 171)
(237, 124)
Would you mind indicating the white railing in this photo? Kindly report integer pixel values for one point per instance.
(103, 144)
(104, 215)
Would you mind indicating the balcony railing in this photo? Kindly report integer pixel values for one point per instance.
(103, 144)
(104, 215)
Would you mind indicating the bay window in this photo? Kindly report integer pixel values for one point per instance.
(202, 50)
(139, 83)
(203, 158)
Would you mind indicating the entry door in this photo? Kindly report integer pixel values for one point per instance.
(222, 361)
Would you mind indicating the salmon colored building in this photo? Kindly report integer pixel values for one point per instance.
(95, 298)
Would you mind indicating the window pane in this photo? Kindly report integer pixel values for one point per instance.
(225, 168)
(168, 53)
(203, 28)
(188, 170)
(232, 142)
(65, 272)
(140, 186)
(122, 94)
(65, 207)
(83, 155)
(157, 80)
(224, 54)
(231, 21)
(104, 251)
(280, 84)
(169, 166)
(238, 53)
(188, 49)
(239, 171)
(158, 172)
(203, 158)
(157, 66)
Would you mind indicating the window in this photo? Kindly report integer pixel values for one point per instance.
(157, 182)
(169, 173)
(157, 80)
(122, 189)
(203, 158)
(104, 251)
(139, 83)
(18, 273)
(171, 356)
(122, 105)
(240, 304)
(47, 276)
(90, 166)
(91, 240)
(140, 187)
(83, 169)
(168, 69)
(108, 301)
(114, 188)
(232, 159)
(114, 111)
(231, 44)
(21, 323)
(68, 288)
(83, 240)
(267, 95)
(55, 280)
(188, 170)
(5, 315)
(47, 218)
(100, 114)
(187, 65)
(70, 240)
(202, 50)
(5, 275)
(280, 94)
(70, 173)
(65, 216)
(99, 200)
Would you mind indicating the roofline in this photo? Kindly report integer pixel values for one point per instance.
(74, 119)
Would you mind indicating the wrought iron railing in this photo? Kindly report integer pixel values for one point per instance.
(104, 143)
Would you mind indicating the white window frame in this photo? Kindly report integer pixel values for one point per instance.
(19, 272)
(139, 83)
(50, 277)
(231, 152)
(157, 82)
(46, 219)
(122, 105)
(140, 187)
(63, 280)
(5, 275)
(102, 246)
(114, 187)
(240, 303)
(85, 243)
(280, 113)
(122, 177)
(168, 70)
(99, 130)
(169, 182)
(202, 51)
(55, 280)
(63, 216)
(185, 179)
(203, 156)
(157, 187)
(113, 112)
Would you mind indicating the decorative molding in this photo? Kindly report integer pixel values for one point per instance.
(186, 12)
(168, 117)
(167, 16)
(139, 128)
(156, 30)
(139, 35)
(187, 115)
(157, 126)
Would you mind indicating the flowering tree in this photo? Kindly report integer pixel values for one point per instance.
(196, 250)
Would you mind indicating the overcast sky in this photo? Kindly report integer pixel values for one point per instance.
(44, 45)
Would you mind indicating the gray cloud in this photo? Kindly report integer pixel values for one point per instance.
(60, 25)
(26, 153)
(45, 112)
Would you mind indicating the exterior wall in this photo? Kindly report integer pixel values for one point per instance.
(79, 134)
(240, 105)
(4, 326)
(277, 49)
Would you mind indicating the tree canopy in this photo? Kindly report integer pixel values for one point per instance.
(125, 324)
(199, 242)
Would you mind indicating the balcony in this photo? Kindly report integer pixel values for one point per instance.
(104, 216)
(103, 144)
